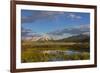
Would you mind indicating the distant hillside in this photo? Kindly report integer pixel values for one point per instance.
(77, 38)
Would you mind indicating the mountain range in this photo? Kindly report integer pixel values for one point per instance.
(75, 38)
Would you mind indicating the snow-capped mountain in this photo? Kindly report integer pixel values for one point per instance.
(37, 37)
(45, 37)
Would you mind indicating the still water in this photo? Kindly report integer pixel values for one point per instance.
(58, 55)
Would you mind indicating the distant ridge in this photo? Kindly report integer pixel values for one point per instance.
(77, 38)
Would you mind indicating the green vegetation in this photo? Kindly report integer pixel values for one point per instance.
(35, 51)
(37, 56)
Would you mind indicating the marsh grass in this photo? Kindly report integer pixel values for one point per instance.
(33, 52)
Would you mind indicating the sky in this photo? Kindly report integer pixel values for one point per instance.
(54, 22)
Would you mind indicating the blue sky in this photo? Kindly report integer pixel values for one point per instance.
(54, 21)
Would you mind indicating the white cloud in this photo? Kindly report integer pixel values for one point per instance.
(73, 31)
(74, 16)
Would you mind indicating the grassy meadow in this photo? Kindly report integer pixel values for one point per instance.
(45, 51)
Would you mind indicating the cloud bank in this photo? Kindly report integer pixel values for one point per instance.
(45, 15)
(74, 31)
